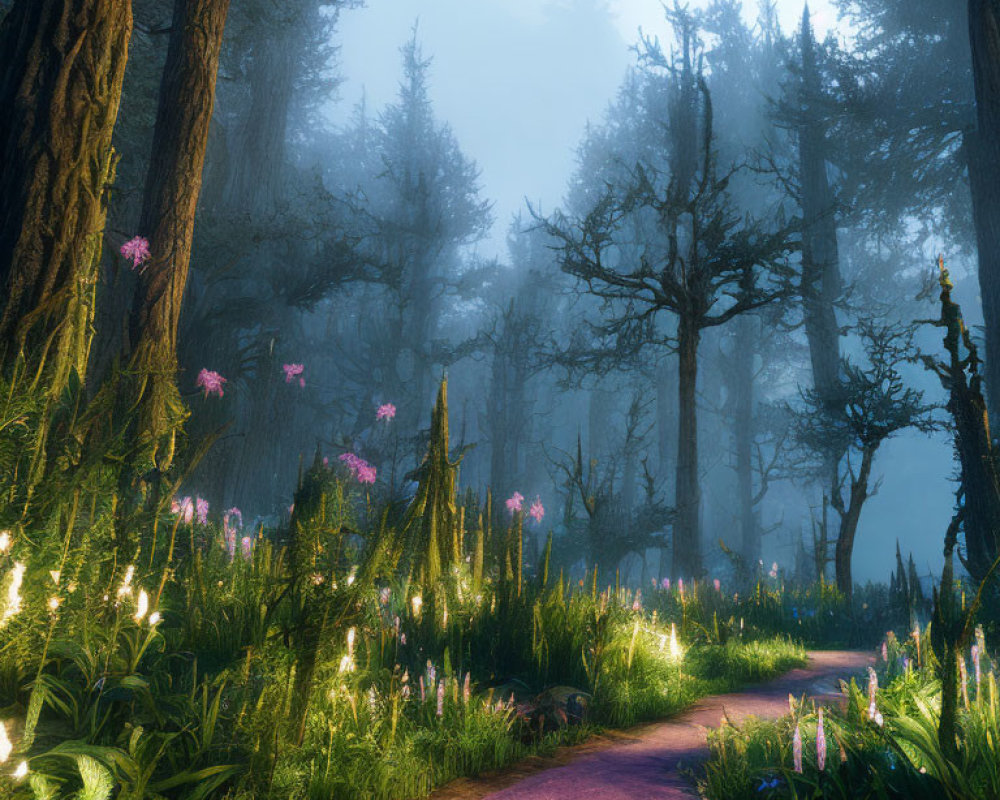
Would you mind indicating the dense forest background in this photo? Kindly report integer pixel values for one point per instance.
(698, 358)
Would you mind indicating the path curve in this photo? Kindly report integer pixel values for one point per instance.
(646, 762)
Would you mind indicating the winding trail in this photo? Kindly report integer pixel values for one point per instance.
(647, 761)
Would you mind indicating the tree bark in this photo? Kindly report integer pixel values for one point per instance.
(60, 88)
(743, 381)
(849, 518)
(187, 97)
(820, 255)
(687, 528)
(983, 153)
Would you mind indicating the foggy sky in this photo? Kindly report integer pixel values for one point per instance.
(517, 80)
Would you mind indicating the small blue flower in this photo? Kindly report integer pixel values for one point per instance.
(774, 783)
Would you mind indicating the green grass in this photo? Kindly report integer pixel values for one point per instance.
(900, 758)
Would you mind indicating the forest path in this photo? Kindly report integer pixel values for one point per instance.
(647, 761)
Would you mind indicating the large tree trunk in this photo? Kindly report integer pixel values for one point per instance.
(849, 518)
(687, 527)
(60, 87)
(983, 152)
(743, 430)
(820, 256)
(187, 97)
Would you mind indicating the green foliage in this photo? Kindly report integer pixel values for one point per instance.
(900, 758)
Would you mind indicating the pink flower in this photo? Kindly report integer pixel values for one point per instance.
(246, 546)
(717, 584)
(537, 510)
(138, 250)
(360, 469)
(387, 411)
(820, 743)
(666, 584)
(797, 750)
(210, 381)
(514, 502)
(184, 507)
(201, 508)
(366, 473)
(293, 371)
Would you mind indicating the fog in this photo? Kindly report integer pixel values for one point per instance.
(513, 194)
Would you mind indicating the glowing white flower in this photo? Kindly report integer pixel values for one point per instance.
(14, 592)
(54, 602)
(417, 602)
(142, 606)
(21, 771)
(675, 646)
(126, 585)
(154, 618)
(4, 541)
(6, 746)
(55, 575)
(350, 642)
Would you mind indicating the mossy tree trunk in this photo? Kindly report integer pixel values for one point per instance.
(687, 561)
(63, 64)
(983, 153)
(173, 184)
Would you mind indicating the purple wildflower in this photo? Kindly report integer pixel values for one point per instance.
(293, 371)
(537, 510)
(136, 249)
(210, 381)
(386, 411)
(514, 502)
(201, 510)
(821, 743)
(797, 750)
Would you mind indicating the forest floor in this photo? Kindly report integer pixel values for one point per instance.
(652, 760)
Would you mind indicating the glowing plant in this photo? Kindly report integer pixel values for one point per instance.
(440, 698)
(293, 371)
(136, 249)
(210, 381)
(21, 772)
(14, 592)
(675, 647)
(142, 605)
(537, 510)
(126, 585)
(4, 541)
(6, 746)
(386, 411)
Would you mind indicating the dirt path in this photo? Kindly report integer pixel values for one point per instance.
(645, 762)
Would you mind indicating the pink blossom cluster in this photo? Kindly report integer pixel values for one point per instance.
(360, 469)
(514, 502)
(189, 511)
(136, 249)
(293, 371)
(232, 521)
(210, 381)
(386, 411)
